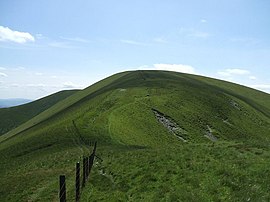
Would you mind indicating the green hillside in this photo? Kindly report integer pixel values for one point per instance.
(162, 136)
(14, 116)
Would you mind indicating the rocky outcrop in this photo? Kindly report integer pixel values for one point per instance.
(171, 125)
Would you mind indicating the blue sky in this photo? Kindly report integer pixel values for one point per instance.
(52, 45)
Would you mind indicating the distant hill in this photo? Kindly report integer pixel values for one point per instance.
(12, 117)
(13, 102)
(162, 136)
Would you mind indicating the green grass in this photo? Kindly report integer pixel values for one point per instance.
(12, 117)
(142, 160)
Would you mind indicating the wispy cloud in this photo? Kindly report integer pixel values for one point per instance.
(76, 39)
(191, 32)
(262, 87)
(58, 44)
(41, 37)
(167, 67)
(2, 68)
(199, 34)
(7, 34)
(248, 41)
(38, 74)
(15, 85)
(69, 85)
(231, 72)
(175, 67)
(252, 77)
(203, 21)
(37, 85)
(3, 74)
(132, 42)
(160, 40)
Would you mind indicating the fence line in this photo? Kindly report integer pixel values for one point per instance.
(77, 185)
(88, 162)
(62, 188)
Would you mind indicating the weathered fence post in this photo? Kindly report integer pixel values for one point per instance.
(87, 168)
(77, 182)
(91, 158)
(84, 173)
(95, 147)
(89, 165)
(62, 190)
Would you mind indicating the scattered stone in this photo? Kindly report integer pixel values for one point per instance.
(235, 104)
(209, 134)
(172, 126)
(226, 121)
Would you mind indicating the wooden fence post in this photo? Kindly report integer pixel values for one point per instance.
(95, 147)
(90, 162)
(84, 173)
(62, 190)
(87, 168)
(92, 157)
(77, 182)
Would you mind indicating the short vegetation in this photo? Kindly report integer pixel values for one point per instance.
(162, 136)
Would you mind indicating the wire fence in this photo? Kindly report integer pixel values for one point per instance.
(88, 162)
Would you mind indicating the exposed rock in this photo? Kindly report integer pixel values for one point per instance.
(235, 104)
(171, 125)
(226, 121)
(209, 134)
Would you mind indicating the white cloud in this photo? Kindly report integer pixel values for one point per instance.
(7, 34)
(263, 87)
(132, 42)
(38, 74)
(19, 68)
(191, 32)
(2, 68)
(231, 72)
(41, 36)
(175, 67)
(15, 85)
(60, 45)
(252, 77)
(160, 40)
(248, 41)
(76, 39)
(3, 74)
(36, 85)
(69, 84)
(203, 21)
(199, 34)
(166, 67)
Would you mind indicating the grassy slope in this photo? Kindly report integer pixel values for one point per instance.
(142, 161)
(61, 106)
(14, 116)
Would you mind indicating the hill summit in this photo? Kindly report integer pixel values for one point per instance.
(161, 135)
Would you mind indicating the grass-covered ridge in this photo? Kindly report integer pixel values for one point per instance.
(142, 159)
(12, 117)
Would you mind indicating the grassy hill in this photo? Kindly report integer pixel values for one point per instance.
(162, 136)
(14, 116)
